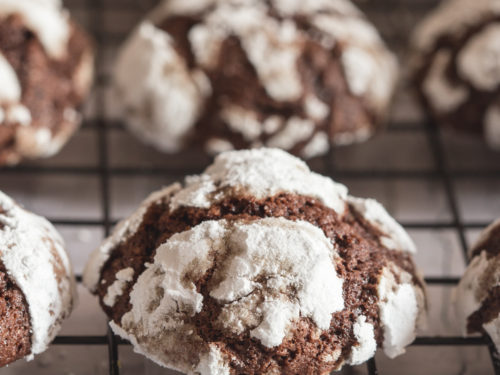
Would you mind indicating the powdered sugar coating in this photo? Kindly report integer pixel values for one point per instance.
(493, 330)
(318, 145)
(271, 45)
(212, 363)
(242, 121)
(296, 130)
(33, 254)
(400, 304)
(479, 60)
(272, 40)
(259, 173)
(261, 250)
(10, 90)
(481, 277)
(486, 235)
(453, 17)
(394, 236)
(363, 331)
(291, 7)
(124, 229)
(47, 19)
(155, 88)
(116, 289)
(444, 97)
(468, 295)
(289, 255)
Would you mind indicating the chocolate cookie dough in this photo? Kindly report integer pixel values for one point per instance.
(46, 68)
(259, 266)
(221, 75)
(37, 287)
(456, 67)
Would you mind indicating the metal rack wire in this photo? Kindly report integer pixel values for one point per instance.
(100, 126)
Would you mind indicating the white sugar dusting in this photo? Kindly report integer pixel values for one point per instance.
(242, 121)
(187, 253)
(46, 19)
(485, 235)
(295, 131)
(479, 60)
(18, 114)
(215, 146)
(307, 7)
(480, 278)
(124, 230)
(492, 328)
(212, 363)
(394, 236)
(370, 69)
(359, 68)
(294, 255)
(31, 251)
(271, 46)
(116, 289)
(360, 135)
(10, 89)
(316, 108)
(318, 145)
(366, 347)
(444, 96)
(156, 89)
(295, 258)
(400, 304)
(465, 297)
(277, 317)
(260, 173)
(453, 17)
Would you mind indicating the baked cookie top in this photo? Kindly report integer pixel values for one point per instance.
(259, 266)
(237, 74)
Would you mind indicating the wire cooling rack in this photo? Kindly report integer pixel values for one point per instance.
(110, 20)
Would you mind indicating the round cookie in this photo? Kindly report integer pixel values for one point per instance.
(37, 288)
(456, 66)
(259, 266)
(478, 293)
(46, 68)
(222, 75)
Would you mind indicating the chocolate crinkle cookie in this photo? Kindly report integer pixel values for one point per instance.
(231, 74)
(477, 297)
(259, 266)
(456, 66)
(37, 288)
(46, 68)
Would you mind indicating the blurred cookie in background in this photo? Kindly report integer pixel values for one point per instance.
(46, 69)
(455, 62)
(222, 75)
